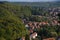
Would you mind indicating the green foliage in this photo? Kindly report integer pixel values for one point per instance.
(43, 32)
(49, 31)
(11, 26)
(35, 18)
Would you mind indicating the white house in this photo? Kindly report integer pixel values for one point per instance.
(26, 25)
(34, 35)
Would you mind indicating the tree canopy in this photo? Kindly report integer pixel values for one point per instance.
(11, 26)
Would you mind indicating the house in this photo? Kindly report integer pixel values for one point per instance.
(34, 35)
(26, 25)
(54, 22)
(49, 39)
(43, 23)
(30, 23)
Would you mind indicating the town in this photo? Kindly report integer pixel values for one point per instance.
(33, 25)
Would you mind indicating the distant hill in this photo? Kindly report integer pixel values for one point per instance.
(38, 4)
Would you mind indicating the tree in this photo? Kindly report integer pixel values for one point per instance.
(27, 37)
(11, 26)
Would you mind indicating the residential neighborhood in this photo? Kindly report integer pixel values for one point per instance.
(31, 25)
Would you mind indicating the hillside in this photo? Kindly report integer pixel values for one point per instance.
(11, 26)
